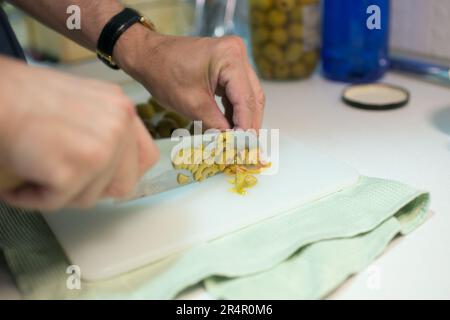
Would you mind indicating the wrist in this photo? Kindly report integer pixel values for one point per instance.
(134, 48)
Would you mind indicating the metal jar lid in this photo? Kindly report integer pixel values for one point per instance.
(376, 96)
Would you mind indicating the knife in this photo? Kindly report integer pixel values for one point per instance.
(163, 177)
(163, 182)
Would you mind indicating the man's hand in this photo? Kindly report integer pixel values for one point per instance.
(72, 140)
(186, 74)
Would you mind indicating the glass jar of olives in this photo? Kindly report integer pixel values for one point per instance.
(285, 37)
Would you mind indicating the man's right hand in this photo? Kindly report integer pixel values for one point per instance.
(72, 140)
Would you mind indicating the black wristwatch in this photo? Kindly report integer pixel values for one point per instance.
(114, 29)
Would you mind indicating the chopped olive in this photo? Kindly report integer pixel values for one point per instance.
(182, 179)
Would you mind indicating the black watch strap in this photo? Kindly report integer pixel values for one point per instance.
(112, 32)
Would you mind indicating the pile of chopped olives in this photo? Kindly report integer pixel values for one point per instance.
(240, 164)
(285, 37)
(159, 121)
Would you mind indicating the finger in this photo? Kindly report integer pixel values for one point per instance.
(211, 116)
(27, 197)
(259, 97)
(127, 172)
(35, 197)
(228, 109)
(147, 156)
(50, 187)
(240, 94)
(96, 188)
(148, 153)
(94, 191)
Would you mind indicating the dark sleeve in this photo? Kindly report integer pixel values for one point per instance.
(8, 42)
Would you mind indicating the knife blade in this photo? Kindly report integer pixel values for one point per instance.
(164, 177)
(163, 182)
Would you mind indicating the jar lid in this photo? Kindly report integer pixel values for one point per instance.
(376, 96)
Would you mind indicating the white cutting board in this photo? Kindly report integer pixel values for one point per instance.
(112, 239)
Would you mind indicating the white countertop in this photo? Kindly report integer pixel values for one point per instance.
(411, 145)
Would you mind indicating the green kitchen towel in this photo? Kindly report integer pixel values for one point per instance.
(302, 254)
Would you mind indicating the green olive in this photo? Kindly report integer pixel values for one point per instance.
(295, 31)
(279, 36)
(273, 53)
(145, 111)
(156, 105)
(256, 51)
(299, 70)
(258, 18)
(285, 5)
(307, 2)
(261, 4)
(311, 58)
(150, 128)
(260, 35)
(165, 127)
(281, 71)
(276, 18)
(181, 121)
(296, 14)
(264, 67)
(294, 52)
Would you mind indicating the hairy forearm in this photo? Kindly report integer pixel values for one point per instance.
(94, 15)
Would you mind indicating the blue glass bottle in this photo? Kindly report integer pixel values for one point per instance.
(355, 38)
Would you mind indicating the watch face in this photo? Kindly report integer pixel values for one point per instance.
(377, 96)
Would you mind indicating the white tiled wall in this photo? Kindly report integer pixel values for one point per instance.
(421, 26)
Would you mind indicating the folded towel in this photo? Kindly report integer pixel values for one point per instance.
(302, 254)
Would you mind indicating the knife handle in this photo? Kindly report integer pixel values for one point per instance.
(8, 180)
